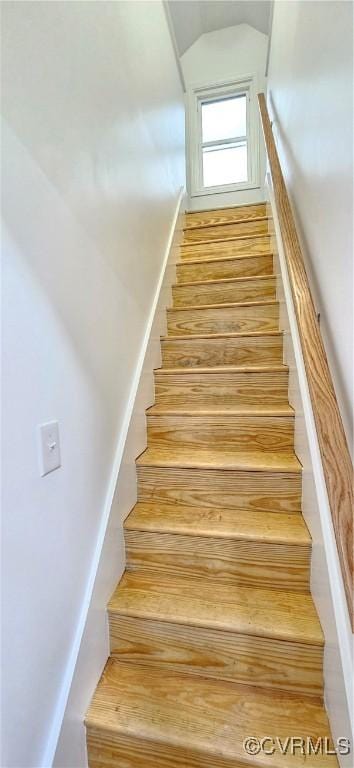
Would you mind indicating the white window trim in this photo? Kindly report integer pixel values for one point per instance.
(197, 94)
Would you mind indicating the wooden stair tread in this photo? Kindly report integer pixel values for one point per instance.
(199, 409)
(247, 243)
(246, 610)
(231, 210)
(222, 349)
(224, 290)
(192, 243)
(223, 280)
(239, 335)
(209, 718)
(226, 224)
(225, 231)
(227, 305)
(224, 251)
(272, 368)
(199, 257)
(248, 525)
(216, 259)
(253, 461)
(208, 225)
(225, 236)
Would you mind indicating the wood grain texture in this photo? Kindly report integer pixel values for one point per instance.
(245, 610)
(215, 387)
(226, 350)
(218, 522)
(230, 561)
(224, 291)
(264, 491)
(231, 318)
(250, 245)
(226, 231)
(336, 460)
(112, 748)
(224, 430)
(216, 269)
(210, 544)
(217, 654)
(192, 722)
(214, 635)
(224, 215)
(223, 410)
(219, 458)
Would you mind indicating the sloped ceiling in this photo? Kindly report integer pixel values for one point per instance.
(192, 18)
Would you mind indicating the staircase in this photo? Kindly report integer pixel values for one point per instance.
(214, 634)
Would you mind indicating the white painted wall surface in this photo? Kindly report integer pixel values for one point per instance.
(93, 163)
(311, 100)
(327, 586)
(94, 646)
(238, 50)
(227, 53)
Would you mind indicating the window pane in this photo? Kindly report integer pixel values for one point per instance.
(225, 119)
(225, 165)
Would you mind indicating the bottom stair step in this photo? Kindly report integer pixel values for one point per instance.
(147, 718)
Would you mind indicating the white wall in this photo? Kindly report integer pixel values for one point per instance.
(227, 53)
(239, 50)
(311, 99)
(93, 162)
(327, 586)
(94, 643)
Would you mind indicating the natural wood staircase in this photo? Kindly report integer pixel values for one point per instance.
(214, 634)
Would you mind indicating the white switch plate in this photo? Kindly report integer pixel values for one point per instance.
(49, 447)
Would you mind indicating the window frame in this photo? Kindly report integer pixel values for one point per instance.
(222, 142)
(201, 94)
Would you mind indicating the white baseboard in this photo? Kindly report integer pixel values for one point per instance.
(66, 746)
(326, 579)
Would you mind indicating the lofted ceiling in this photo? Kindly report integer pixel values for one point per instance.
(192, 18)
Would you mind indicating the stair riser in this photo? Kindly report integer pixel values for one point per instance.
(117, 750)
(181, 322)
(257, 433)
(248, 245)
(224, 293)
(225, 216)
(217, 654)
(254, 265)
(251, 564)
(251, 350)
(225, 231)
(220, 389)
(231, 489)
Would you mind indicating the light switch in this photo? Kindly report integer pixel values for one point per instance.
(49, 448)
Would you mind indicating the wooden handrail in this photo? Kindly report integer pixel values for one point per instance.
(336, 460)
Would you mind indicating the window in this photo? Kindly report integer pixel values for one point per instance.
(224, 141)
(223, 138)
